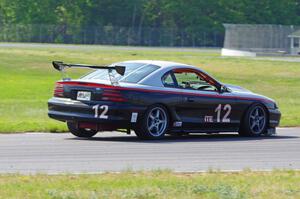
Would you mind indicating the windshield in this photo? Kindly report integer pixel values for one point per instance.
(134, 72)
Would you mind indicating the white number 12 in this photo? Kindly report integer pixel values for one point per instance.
(103, 113)
(226, 108)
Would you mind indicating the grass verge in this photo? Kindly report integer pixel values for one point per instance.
(27, 79)
(156, 184)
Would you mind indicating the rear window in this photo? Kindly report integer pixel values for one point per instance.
(103, 74)
(139, 74)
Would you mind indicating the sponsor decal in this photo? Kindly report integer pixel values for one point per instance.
(177, 124)
(208, 119)
(134, 117)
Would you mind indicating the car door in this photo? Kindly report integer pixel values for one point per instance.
(204, 107)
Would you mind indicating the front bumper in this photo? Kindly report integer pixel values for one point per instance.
(274, 118)
(119, 114)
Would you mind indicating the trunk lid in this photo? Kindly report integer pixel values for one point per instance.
(88, 91)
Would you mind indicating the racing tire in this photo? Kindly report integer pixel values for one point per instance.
(154, 123)
(254, 122)
(78, 132)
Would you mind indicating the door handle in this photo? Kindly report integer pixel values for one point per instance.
(190, 99)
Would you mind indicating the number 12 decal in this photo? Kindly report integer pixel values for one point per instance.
(227, 109)
(103, 113)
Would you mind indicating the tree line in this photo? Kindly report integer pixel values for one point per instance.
(192, 16)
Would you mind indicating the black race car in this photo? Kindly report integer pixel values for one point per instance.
(155, 98)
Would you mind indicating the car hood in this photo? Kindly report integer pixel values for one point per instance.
(235, 88)
(247, 93)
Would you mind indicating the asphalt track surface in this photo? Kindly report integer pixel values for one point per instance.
(62, 153)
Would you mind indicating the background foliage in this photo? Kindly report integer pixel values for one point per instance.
(192, 15)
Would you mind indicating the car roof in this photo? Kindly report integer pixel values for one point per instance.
(156, 62)
(154, 79)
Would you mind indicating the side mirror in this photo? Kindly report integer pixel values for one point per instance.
(223, 89)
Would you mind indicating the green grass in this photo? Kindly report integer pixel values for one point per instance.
(27, 79)
(155, 184)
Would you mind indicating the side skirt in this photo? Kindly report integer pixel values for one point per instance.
(203, 130)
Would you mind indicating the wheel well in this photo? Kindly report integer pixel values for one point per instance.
(268, 114)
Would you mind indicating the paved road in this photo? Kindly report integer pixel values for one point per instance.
(56, 153)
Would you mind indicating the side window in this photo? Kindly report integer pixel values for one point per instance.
(168, 80)
(192, 80)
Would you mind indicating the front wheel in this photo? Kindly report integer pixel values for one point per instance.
(255, 121)
(154, 123)
(79, 132)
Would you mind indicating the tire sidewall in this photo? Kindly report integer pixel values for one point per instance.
(245, 129)
(72, 126)
(142, 127)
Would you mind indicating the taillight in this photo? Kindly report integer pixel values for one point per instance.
(59, 90)
(112, 95)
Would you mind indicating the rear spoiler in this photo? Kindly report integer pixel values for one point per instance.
(60, 66)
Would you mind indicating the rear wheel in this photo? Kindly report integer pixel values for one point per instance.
(255, 121)
(86, 133)
(154, 123)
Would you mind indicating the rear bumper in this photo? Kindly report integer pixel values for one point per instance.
(274, 118)
(119, 114)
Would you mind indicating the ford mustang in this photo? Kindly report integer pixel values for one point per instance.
(154, 98)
